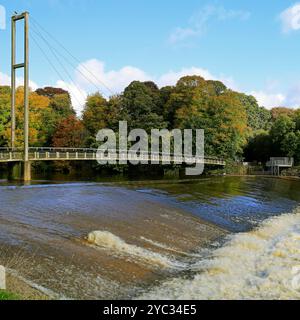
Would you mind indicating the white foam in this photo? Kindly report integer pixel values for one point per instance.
(106, 239)
(262, 264)
(165, 247)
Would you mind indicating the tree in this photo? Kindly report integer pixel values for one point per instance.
(50, 92)
(98, 114)
(281, 111)
(226, 125)
(61, 104)
(60, 107)
(290, 145)
(198, 104)
(285, 137)
(4, 114)
(259, 147)
(189, 97)
(140, 106)
(296, 118)
(258, 118)
(281, 127)
(70, 132)
(279, 132)
(94, 115)
(37, 106)
(216, 87)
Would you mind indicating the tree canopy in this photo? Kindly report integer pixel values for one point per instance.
(235, 126)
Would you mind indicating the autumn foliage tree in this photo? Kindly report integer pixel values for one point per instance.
(70, 132)
(198, 104)
(38, 105)
(60, 107)
(4, 114)
(235, 125)
(281, 111)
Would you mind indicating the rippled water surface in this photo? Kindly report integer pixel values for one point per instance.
(128, 240)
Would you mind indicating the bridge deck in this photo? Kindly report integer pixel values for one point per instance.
(70, 154)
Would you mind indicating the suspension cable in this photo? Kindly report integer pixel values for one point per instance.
(62, 65)
(71, 55)
(52, 65)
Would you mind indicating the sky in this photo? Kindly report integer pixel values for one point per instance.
(252, 46)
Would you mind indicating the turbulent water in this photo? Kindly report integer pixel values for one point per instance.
(218, 238)
(262, 264)
(107, 240)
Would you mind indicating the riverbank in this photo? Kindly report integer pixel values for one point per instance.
(295, 178)
(23, 289)
(18, 288)
(4, 295)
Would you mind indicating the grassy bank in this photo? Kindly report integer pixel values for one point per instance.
(4, 295)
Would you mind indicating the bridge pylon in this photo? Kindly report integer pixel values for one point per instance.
(14, 66)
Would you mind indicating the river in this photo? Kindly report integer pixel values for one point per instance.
(218, 237)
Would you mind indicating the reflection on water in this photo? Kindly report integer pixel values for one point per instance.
(140, 233)
(234, 203)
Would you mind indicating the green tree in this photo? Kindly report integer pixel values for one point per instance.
(259, 147)
(198, 104)
(296, 118)
(140, 106)
(280, 134)
(94, 115)
(290, 145)
(258, 118)
(4, 114)
(281, 127)
(281, 111)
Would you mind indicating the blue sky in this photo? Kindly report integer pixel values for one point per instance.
(253, 46)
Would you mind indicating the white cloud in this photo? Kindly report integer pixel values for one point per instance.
(269, 100)
(180, 34)
(290, 18)
(271, 97)
(2, 18)
(78, 94)
(5, 80)
(91, 75)
(293, 96)
(199, 22)
(171, 77)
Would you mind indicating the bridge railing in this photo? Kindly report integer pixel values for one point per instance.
(48, 153)
(280, 161)
(11, 156)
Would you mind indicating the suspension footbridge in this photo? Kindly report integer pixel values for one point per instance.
(23, 157)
